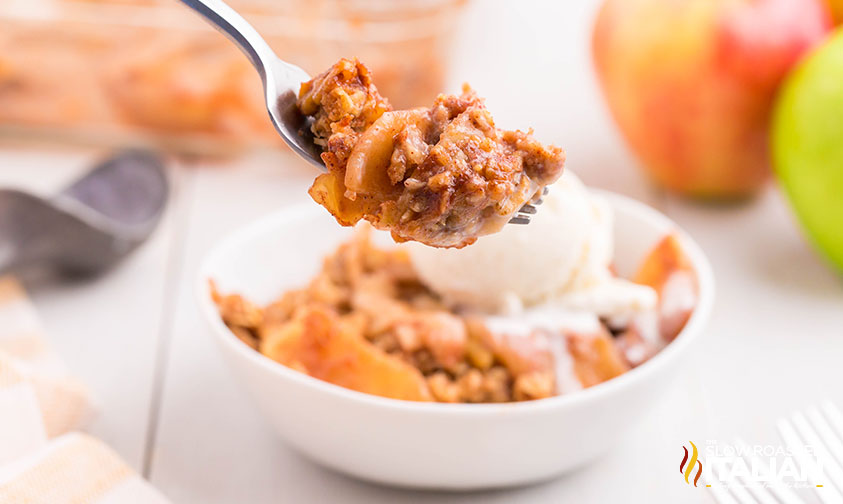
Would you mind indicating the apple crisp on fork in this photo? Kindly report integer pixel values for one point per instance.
(442, 176)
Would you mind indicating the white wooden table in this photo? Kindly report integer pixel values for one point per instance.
(170, 408)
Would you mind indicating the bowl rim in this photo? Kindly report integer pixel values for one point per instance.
(672, 350)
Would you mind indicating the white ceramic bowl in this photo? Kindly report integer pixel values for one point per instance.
(431, 445)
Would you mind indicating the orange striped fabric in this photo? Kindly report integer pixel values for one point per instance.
(38, 400)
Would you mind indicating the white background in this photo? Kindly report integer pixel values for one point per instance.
(169, 407)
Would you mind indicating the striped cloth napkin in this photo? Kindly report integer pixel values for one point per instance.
(41, 460)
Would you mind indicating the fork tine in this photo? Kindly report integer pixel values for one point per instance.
(540, 198)
(742, 495)
(730, 494)
(721, 495)
(739, 493)
(524, 213)
(834, 416)
(787, 432)
(826, 433)
(784, 494)
(830, 467)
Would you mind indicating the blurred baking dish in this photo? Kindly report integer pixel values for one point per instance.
(151, 72)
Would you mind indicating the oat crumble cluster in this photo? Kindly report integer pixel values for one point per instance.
(443, 175)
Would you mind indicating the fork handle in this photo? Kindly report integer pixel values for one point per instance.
(232, 25)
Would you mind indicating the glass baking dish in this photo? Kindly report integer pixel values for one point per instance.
(150, 72)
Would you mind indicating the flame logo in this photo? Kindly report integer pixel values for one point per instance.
(687, 470)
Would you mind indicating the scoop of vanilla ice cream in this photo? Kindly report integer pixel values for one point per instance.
(562, 258)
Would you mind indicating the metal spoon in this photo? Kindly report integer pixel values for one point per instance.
(281, 83)
(89, 226)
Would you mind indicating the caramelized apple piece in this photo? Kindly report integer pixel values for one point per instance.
(367, 171)
(534, 385)
(596, 359)
(331, 348)
(519, 353)
(662, 261)
(440, 332)
(669, 271)
(329, 191)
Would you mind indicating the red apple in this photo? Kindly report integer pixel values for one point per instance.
(691, 83)
(836, 10)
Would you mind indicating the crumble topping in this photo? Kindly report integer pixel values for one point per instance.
(443, 175)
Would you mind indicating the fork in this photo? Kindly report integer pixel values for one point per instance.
(281, 82)
(752, 494)
(820, 428)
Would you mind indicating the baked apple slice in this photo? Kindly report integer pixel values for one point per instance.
(668, 270)
(328, 347)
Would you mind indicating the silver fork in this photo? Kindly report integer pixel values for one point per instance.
(524, 213)
(752, 494)
(281, 82)
(821, 429)
(816, 434)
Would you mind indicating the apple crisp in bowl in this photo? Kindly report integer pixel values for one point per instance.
(376, 320)
(323, 334)
(443, 175)
(367, 322)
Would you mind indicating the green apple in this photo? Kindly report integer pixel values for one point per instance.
(807, 145)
